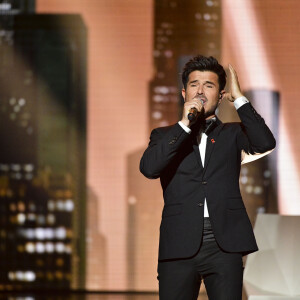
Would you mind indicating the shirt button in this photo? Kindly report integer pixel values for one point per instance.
(204, 182)
(200, 204)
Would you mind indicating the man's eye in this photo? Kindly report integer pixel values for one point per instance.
(193, 85)
(209, 86)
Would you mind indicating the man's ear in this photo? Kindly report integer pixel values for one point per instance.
(221, 96)
(183, 94)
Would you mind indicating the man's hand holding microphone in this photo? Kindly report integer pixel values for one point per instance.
(191, 111)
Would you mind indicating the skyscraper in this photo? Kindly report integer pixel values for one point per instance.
(181, 30)
(43, 154)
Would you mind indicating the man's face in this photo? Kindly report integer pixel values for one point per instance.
(204, 86)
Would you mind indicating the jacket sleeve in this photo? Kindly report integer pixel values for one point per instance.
(255, 136)
(164, 144)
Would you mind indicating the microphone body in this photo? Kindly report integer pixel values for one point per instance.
(192, 115)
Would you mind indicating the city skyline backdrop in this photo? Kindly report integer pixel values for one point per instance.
(259, 38)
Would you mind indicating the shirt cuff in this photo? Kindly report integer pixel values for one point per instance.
(238, 102)
(185, 128)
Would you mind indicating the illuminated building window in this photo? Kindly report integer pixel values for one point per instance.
(258, 190)
(206, 17)
(51, 205)
(13, 207)
(31, 206)
(30, 247)
(41, 220)
(249, 189)
(168, 53)
(60, 247)
(68, 249)
(69, 205)
(59, 262)
(21, 206)
(28, 168)
(4, 167)
(51, 219)
(22, 101)
(49, 233)
(22, 276)
(12, 101)
(40, 233)
(267, 174)
(243, 179)
(9, 193)
(21, 218)
(158, 98)
(49, 247)
(30, 233)
(164, 123)
(15, 167)
(17, 108)
(29, 176)
(157, 115)
(20, 248)
(156, 53)
(59, 275)
(39, 247)
(198, 16)
(31, 217)
(60, 233)
(59, 205)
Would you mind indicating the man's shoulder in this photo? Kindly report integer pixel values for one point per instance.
(166, 129)
(231, 127)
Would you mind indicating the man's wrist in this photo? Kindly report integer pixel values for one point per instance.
(184, 127)
(240, 101)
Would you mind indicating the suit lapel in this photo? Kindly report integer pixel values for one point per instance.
(212, 140)
(196, 151)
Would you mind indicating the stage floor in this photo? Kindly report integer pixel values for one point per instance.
(57, 295)
(83, 296)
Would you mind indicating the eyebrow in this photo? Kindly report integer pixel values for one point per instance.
(209, 82)
(206, 82)
(194, 81)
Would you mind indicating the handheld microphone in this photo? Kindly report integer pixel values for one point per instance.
(192, 115)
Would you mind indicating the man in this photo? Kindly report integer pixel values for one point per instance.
(205, 229)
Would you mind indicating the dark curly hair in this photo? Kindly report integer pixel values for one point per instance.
(203, 63)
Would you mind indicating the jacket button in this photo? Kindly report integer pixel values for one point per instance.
(204, 182)
(200, 204)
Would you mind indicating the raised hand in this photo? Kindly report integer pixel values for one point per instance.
(234, 86)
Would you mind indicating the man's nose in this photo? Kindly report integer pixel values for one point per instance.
(200, 90)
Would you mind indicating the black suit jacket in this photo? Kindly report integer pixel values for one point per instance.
(173, 155)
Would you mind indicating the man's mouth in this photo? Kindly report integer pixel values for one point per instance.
(202, 100)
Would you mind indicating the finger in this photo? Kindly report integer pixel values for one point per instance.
(196, 104)
(228, 97)
(233, 73)
(231, 68)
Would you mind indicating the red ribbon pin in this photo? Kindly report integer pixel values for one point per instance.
(213, 141)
